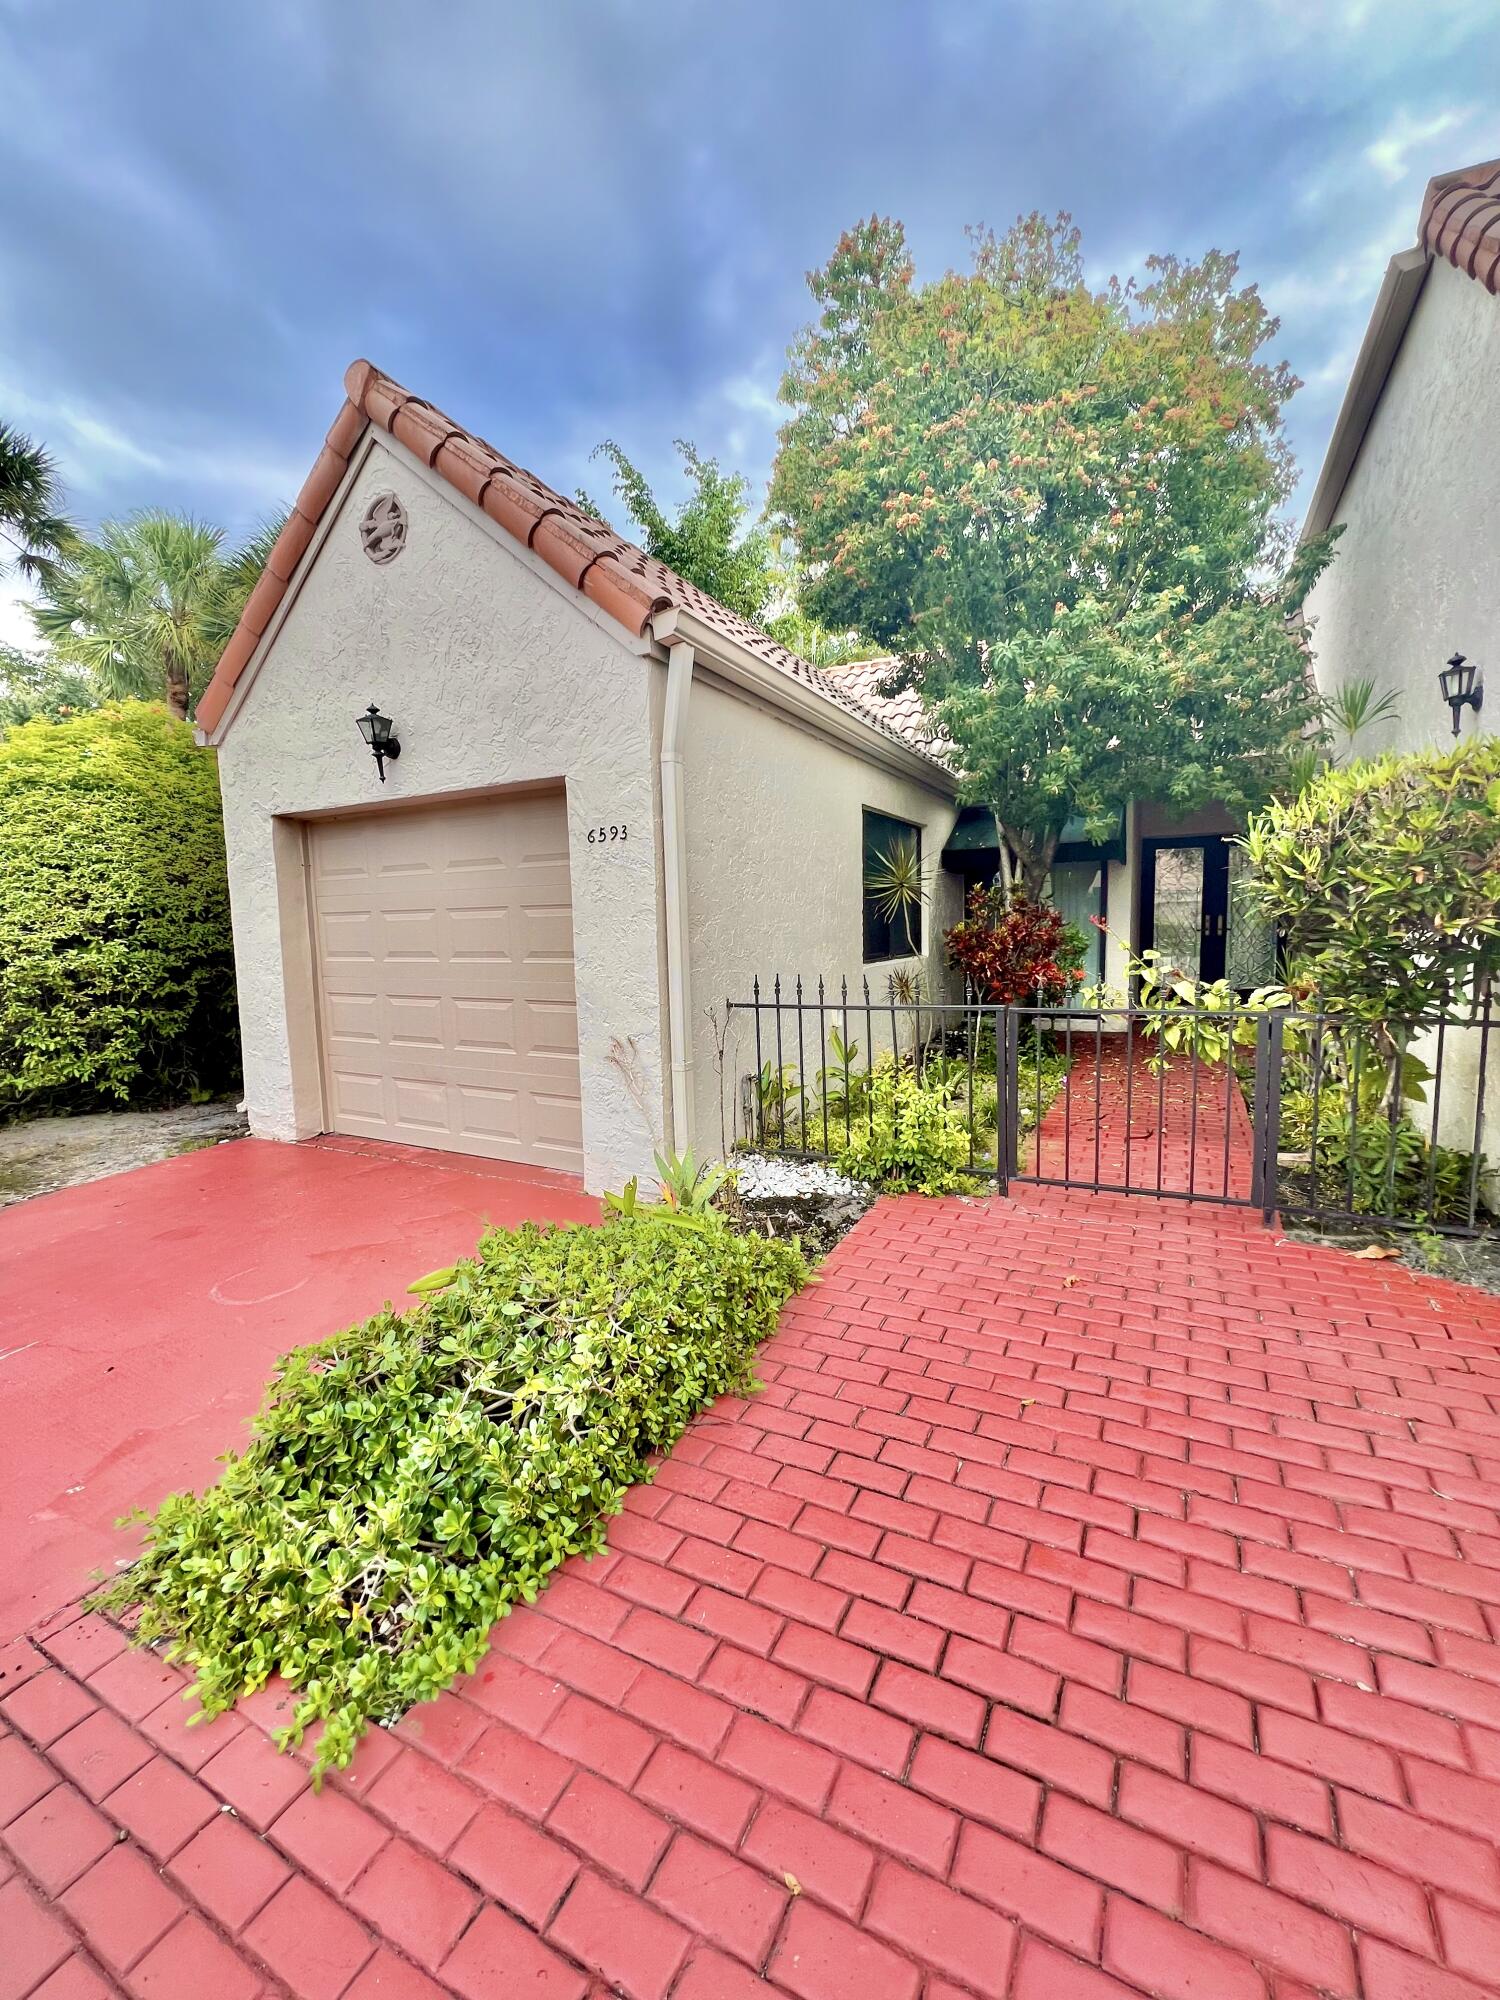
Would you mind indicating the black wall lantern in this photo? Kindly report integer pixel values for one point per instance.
(380, 733)
(1463, 687)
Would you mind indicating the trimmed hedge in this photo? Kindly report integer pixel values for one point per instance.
(116, 963)
(410, 1479)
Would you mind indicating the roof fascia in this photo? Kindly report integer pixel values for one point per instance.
(743, 669)
(330, 514)
(1400, 289)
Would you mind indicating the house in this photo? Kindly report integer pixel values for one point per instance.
(1412, 477)
(1412, 474)
(614, 803)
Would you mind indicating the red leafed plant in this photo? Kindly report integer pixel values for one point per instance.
(1009, 948)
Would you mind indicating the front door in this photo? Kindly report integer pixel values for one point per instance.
(1193, 911)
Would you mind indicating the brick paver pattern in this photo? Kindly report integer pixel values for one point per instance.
(1101, 1598)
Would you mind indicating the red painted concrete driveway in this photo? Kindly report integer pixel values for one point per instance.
(1101, 1600)
(140, 1317)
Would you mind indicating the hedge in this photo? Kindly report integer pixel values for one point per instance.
(410, 1479)
(116, 964)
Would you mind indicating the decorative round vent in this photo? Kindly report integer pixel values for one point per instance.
(382, 532)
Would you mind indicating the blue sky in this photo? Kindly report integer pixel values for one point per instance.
(593, 218)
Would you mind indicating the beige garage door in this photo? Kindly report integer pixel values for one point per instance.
(445, 972)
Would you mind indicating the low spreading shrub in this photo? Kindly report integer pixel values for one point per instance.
(116, 965)
(911, 1135)
(410, 1479)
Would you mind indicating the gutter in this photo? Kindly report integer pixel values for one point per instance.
(674, 868)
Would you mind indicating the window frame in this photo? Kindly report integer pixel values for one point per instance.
(871, 920)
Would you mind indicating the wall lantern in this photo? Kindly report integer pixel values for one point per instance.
(380, 733)
(1463, 687)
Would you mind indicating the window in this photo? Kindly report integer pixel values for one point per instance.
(892, 887)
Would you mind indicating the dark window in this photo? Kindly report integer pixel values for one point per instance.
(892, 858)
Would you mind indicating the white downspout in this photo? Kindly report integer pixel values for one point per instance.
(674, 865)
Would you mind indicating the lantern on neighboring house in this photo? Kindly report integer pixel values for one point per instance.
(1463, 687)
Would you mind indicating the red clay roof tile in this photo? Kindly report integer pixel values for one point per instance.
(625, 583)
(1461, 221)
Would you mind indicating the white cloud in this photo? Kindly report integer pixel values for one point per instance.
(92, 453)
(1390, 154)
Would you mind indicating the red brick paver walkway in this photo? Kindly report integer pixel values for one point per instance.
(1102, 1599)
(1184, 1128)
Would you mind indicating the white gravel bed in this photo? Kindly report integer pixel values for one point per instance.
(761, 1177)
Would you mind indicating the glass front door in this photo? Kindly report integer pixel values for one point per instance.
(1194, 911)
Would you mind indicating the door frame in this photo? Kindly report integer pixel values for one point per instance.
(1213, 916)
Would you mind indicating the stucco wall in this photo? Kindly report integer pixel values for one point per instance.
(775, 875)
(1416, 573)
(496, 674)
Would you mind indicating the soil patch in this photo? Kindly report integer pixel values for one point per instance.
(44, 1154)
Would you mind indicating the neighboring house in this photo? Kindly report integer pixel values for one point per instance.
(1412, 475)
(615, 803)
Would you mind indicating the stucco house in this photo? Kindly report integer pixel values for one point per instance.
(1412, 474)
(614, 803)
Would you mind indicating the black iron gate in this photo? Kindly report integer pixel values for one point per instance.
(1308, 1114)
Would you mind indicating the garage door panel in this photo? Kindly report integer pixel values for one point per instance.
(414, 1022)
(483, 1027)
(549, 1027)
(353, 1017)
(481, 935)
(446, 978)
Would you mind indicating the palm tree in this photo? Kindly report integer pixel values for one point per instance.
(147, 608)
(34, 536)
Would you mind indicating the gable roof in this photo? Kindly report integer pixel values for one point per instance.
(621, 579)
(1460, 221)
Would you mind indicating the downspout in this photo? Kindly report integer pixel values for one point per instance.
(674, 865)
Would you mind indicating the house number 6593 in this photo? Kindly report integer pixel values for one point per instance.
(602, 835)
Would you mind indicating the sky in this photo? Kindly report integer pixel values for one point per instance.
(583, 219)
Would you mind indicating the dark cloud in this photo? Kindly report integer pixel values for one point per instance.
(593, 218)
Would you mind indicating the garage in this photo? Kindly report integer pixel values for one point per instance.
(444, 952)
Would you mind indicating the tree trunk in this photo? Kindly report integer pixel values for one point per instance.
(177, 693)
(1002, 842)
(1035, 859)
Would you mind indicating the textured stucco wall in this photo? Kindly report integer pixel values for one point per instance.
(775, 873)
(1416, 573)
(496, 675)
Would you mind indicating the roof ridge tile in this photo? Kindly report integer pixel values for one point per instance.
(628, 585)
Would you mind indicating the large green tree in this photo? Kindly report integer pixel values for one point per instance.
(713, 542)
(1059, 507)
(147, 607)
(34, 535)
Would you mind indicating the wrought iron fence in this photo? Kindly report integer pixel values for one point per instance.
(1306, 1113)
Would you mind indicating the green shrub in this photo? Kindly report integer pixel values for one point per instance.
(1366, 1164)
(911, 1135)
(410, 1479)
(1385, 879)
(116, 965)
